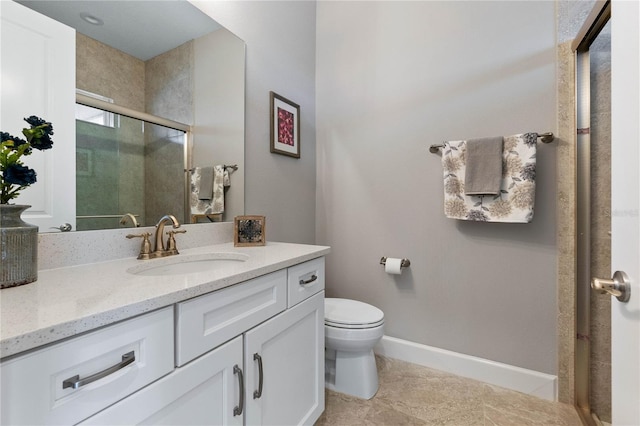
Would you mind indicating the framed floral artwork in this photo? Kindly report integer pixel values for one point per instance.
(249, 231)
(285, 126)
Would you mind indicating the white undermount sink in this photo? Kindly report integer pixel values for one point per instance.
(187, 264)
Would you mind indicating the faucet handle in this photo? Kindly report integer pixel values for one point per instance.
(171, 241)
(145, 247)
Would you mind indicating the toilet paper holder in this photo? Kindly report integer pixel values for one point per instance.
(404, 264)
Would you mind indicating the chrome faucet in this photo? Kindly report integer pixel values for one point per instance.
(159, 249)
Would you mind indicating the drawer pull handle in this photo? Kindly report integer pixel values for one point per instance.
(75, 382)
(237, 410)
(258, 393)
(309, 281)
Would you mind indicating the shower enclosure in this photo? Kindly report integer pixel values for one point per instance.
(128, 163)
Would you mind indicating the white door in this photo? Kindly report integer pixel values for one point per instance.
(625, 205)
(289, 351)
(38, 78)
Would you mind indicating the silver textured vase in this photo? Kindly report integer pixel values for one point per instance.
(18, 247)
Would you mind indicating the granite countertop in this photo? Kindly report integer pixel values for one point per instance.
(67, 301)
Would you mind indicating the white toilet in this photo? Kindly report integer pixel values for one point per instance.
(351, 330)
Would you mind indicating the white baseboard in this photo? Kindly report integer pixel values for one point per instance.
(507, 376)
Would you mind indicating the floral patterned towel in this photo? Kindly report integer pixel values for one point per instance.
(517, 191)
(215, 205)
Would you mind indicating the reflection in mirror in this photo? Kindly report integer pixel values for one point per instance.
(126, 165)
(131, 60)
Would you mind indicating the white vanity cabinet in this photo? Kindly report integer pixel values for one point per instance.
(248, 354)
(242, 356)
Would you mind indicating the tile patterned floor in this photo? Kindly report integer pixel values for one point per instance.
(410, 394)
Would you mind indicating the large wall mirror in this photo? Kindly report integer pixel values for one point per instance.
(168, 61)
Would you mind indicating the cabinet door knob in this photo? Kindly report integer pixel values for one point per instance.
(237, 410)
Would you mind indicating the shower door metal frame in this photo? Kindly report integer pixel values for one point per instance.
(595, 22)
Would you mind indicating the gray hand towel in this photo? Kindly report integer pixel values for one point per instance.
(483, 173)
(205, 192)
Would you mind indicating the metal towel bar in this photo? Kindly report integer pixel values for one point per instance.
(233, 166)
(104, 216)
(544, 138)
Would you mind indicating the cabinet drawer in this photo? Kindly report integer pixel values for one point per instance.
(305, 280)
(210, 320)
(204, 392)
(33, 385)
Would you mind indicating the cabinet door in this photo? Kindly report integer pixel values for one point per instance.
(291, 349)
(203, 392)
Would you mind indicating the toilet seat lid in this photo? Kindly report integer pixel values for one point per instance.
(348, 313)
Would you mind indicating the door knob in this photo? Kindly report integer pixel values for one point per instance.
(619, 286)
(65, 227)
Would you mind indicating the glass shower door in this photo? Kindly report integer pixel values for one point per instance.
(125, 165)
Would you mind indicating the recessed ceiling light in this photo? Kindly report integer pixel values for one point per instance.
(93, 20)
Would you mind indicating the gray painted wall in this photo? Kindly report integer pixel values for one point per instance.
(219, 110)
(391, 79)
(280, 38)
(387, 87)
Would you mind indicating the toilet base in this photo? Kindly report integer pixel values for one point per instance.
(353, 373)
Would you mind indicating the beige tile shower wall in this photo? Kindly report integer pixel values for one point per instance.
(109, 72)
(169, 84)
(566, 216)
(168, 94)
(393, 78)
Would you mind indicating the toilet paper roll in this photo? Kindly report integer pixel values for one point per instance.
(393, 266)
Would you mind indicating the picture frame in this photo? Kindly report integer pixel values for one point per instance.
(285, 126)
(249, 231)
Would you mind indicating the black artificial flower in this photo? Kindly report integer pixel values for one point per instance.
(39, 135)
(37, 121)
(19, 175)
(41, 143)
(13, 172)
(17, 142)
